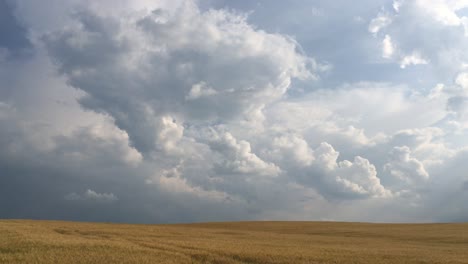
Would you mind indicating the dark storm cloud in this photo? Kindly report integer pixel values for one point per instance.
(85, 178)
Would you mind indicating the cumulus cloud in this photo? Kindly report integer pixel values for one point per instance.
(421, 42)
(173, 181)
(196, 113)
(237, 156)
(346, 179)
(145, 67)
(293, 149)
(321, 170)
(404, 167)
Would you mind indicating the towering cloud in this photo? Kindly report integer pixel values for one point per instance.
(190, 65)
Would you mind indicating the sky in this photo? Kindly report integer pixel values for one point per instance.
(170, 111)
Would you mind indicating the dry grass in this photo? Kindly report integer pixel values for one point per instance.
(244, 242)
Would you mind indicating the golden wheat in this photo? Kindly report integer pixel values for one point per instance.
(24, 241)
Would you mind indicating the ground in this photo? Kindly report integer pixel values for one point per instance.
(27, 241)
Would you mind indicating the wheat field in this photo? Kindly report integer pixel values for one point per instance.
(26, 241)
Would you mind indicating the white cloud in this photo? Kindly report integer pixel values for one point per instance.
(321, 170)
(357, 111)
(380, 22)
(444, 11)
(414, 59)
(197, 114)
(387, 47)
(404, 167)
(327, 156)
(361, 177)
(357, 178)
(237, 156)
(171, 180)
(200, 90)
(91, 195)
(396, 5)
(169, 134)
(437, 91)
(154, 65)
(429, 32)
(462, 81)
(292, 147)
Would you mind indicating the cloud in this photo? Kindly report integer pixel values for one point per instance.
(344, 179)
(405, 167)
(427, 32)
(14, 41)
(465, 25)
(387, 47)
(200, 90)
(382, 20)
(321, 170)
(145, 67)
(91, 195)
(443, 11)
(293, 149)
(187, 112)
(462, 81)
(414, 59)
(237, 156)
(172, 181)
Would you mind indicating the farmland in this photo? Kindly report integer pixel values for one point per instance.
(27, 241)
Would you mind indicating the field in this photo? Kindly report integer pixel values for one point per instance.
(24, 241)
